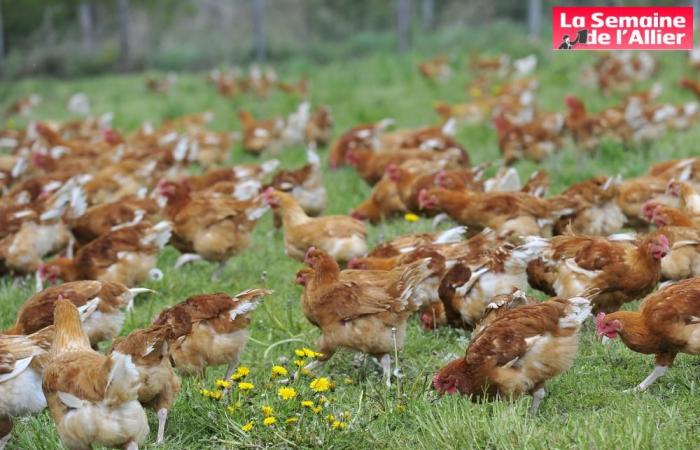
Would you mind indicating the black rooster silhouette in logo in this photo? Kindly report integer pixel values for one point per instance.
(568, 44)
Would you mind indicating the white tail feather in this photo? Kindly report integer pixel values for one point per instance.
(679, 244)
(269, 166)
(624, 237)
(533, 247)
(384, 124)
(185, 259)
(159, 234)
(248, 304)
(412, 276)
(579, 311)
(123, 381)
(20, 366)
(438, 218)
(466, 287)
(70, 400)
(455, 234)
(450, 127)
(312, 155)
(88, 308)
(133, 292)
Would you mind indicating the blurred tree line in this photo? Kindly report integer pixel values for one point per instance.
(70, 37)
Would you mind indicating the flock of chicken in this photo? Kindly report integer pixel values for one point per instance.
(568, 246)
(504, 93)
(90, 207)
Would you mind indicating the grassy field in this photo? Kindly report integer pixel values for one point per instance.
(584, 408)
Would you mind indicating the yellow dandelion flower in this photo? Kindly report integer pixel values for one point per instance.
(248, 426)
(269, 421)
(231, 409)
(241, 372)
(330, 417)
(244, 386)
(267, 411)
(410, 217)
(223, 384)
(321, 384)
(310, 353)
(299, 352)
(307, 403)
(286, 393)
(216, 395)
(279, 371)
(338, 425)
(317, 409)
(204, 392)
(292, 420)
(299, 363)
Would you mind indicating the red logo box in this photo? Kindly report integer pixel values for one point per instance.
(622, 28)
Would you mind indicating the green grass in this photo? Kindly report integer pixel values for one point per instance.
(584, 408)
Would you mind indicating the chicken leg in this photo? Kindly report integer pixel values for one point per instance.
(38, 282)
(231, 368)
(386, 368)
(310, 366)
(5, 431)
(537, 397)
(162, 418)
(655, 374)
(4, 440)
(219, 271)
(229, 373)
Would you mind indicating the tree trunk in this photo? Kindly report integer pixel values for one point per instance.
(403, 24)
(428, 14)
(259, 29)
(123, 17)
(534, 17)
(47, 28)
(87, 27)
(2, 39)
